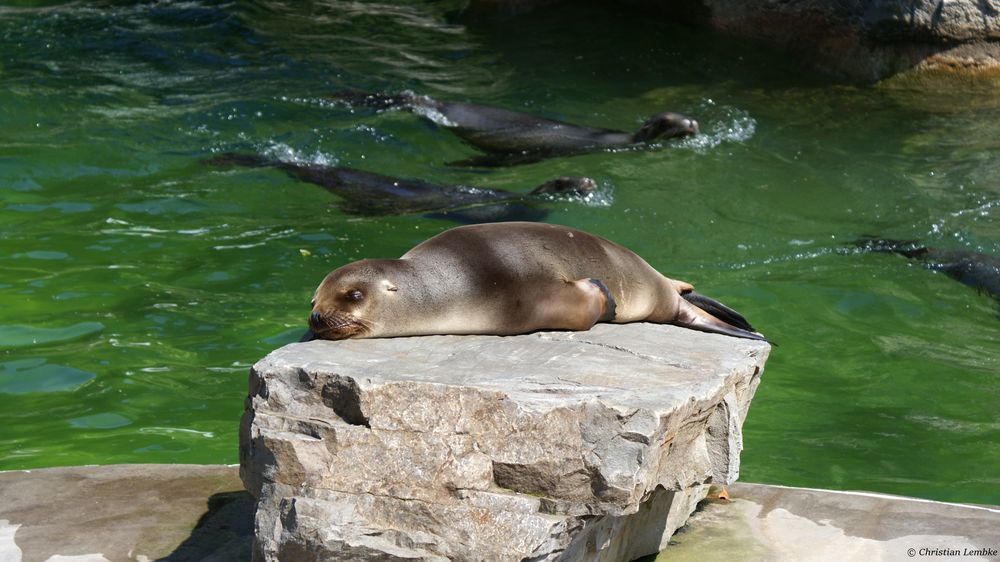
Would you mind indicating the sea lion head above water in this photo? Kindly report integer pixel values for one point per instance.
(567, 185)
(665, 126)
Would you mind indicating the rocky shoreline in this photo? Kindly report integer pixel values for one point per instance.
(864, 41)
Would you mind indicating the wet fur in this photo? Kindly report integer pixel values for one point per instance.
(512, 137)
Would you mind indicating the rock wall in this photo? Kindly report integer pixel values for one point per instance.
(589, 445)
(870, 39)
(856, 39)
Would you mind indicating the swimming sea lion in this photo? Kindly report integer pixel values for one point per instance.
(371, 194)
(509, 278)
(511, 137)
(979, 271)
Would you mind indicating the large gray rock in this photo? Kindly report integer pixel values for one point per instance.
(857, 39)
(866, 39)
(589, 445)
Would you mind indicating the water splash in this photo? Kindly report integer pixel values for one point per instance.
(720, 124)
(434, 116)
(603, 196)
(285, 153)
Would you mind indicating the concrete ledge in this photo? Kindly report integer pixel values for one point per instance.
(191, 512)
(763, 522)
(125, 512)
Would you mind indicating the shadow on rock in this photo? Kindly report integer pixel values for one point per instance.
(224, 533)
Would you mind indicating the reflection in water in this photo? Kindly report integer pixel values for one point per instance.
(25, 376)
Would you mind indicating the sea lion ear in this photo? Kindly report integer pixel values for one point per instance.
(389, 286)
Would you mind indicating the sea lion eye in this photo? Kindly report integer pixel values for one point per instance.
(312, 303)
(354, 295)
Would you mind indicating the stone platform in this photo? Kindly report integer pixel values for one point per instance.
(765, 523)
(181, 513)
(141, 512)
(568, 446)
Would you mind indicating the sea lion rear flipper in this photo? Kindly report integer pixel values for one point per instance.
(718, 310)
(692, 316)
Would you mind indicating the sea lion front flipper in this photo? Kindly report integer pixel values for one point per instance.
(571, 305)
(610, 306)
(692, 316)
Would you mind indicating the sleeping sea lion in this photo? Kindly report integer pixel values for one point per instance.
(509, 278)
(370, 194)
(511, 137)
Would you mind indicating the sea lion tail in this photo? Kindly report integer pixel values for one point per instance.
(699, 312)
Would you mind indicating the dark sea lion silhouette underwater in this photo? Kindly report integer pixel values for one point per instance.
(370, 194)
(512, 138)
(976, 270)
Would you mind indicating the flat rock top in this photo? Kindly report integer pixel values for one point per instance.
(639, 365)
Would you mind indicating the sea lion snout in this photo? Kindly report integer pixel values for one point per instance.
(666, 125)
(315, 319)
(567, 185)
(336, 325)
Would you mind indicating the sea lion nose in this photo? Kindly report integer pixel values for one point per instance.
(315, 319)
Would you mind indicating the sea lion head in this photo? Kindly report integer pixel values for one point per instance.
(350, 297)
(666, 125)
(567, 185)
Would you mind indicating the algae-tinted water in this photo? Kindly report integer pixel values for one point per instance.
(137, 286)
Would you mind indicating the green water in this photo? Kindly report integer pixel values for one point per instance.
(137, 286)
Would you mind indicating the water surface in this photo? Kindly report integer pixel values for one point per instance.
(137, 286)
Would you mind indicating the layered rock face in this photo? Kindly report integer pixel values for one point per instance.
(863, 40)
(871, 39)
(550, 446)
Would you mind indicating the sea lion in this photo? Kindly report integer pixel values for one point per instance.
(508, 278)
(510, 137)
(370, 194)
(979, 271)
